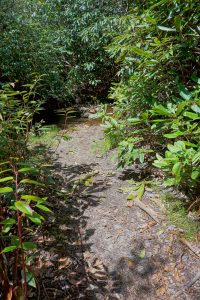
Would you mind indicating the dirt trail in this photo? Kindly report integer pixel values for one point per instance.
(120, 251)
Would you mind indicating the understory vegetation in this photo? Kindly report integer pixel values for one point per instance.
(156, 114)
(143, 57)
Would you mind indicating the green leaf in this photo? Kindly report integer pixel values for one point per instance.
(44, 208)
(5, 171)
(170, 182)
(191, 115)
(4, 163)
(29, 246)
(195, 175)
(167, 29)
(30, 181)
(35, 220)
(6, 190)
(8, 221)
(176, 169)
(141, 158)
(196, 157)
(7, 228)
(6, 179)
(24, 207)
(8, 249)
(195, 108)
(32, 198)
(142, 253)
(141, 191)
(173, 135)
(184, 93)
(131, 197)
(23, 170)
(15, 241)
(196, 79)
(30, 279)
(139, 51)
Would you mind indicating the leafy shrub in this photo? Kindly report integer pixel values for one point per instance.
(63, 40)
(16, 115)
(156, 102)
(19, 208)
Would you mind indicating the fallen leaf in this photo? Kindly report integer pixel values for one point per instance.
(64, 263)
(142, 253)
(130, 203)
(161, 291)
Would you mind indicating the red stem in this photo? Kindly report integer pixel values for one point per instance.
(19, 226)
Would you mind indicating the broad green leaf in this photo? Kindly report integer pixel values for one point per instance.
(30, 181)
(141, 191)
(23, 170)
(195, 175)
(195, 108)
(142, 253)
(5, 171)
(170, 182)
(29, 246)
(196, 79)
(131, 197)
(184, 93)
(30, 279)
(160, 109)
(8, 221)
(4, 163)
(24, 207)
(35, 220)
(8, 249)
(6, 190)
(191, 115)
(6, 179)
(139, 51)
(173, 148)
(31, 198)
(167, 29)
(196, 157)
(44, 208)
(176, 168)
(173, 135)
(15, 241)
(7, 228)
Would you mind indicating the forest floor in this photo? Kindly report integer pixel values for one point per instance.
(97, 247)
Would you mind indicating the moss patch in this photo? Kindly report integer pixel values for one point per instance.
(178, 216)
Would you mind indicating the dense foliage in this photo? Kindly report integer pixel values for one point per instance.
(71, 46)
(63, 40)
(156, 103)
(20, 204)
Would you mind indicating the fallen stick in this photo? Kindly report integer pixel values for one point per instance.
(188, 284)
(186, 243)
(147, 209)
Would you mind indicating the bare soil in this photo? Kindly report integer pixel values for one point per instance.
(97, 247)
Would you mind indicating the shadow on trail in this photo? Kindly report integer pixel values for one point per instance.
(67, 268)
(62, 270)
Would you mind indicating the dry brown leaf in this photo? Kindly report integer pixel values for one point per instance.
(64, 263)
(169, 268)
(131, 264)
(130, 203)
(161, 291)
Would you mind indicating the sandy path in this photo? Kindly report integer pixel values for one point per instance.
(125, 253)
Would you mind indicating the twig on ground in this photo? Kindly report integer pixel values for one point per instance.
(147, 209)
(186, 243)
(188, 285)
